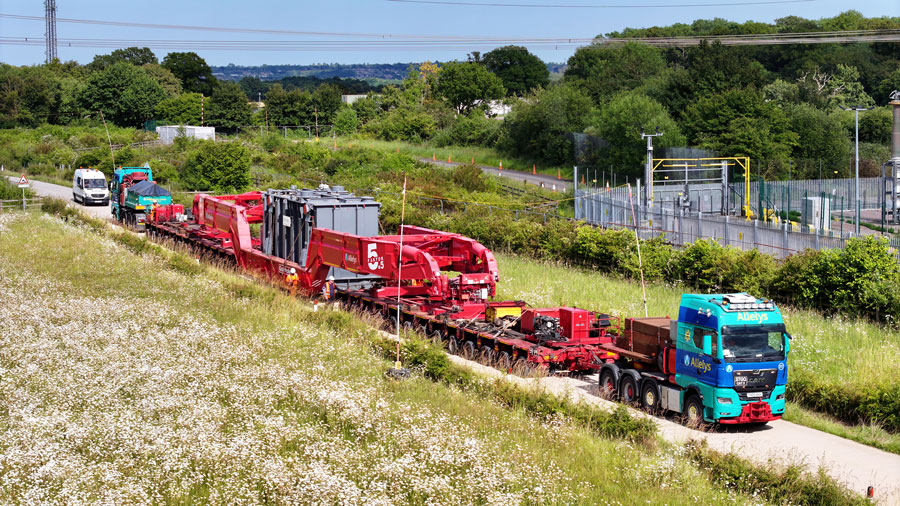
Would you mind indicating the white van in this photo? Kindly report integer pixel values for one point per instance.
(89, 187)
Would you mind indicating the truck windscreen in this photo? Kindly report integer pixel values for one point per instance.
(753, 343)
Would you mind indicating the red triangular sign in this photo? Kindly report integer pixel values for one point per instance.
(23, 181)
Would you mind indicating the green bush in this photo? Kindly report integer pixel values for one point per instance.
(10, 191)
(345, 121)
(470, 177)
(220, 167)
(473, 130)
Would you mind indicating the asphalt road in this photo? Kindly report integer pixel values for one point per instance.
(855, 465)
(62, 192)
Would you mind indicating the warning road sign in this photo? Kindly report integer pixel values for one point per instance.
(23, 181)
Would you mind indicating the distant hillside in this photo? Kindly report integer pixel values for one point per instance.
(373, 73)
(376, 73)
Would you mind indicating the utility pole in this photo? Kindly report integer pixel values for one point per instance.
(856, 109)
(50, 35)
(648, 169)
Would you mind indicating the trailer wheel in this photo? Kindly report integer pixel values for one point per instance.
(650, 396)
(693, 412)
(504, 361)
(521, 367)
(628, 390)
(486, 355)
(607, 384)
(468, 350)
(437, 338)
(453, 345)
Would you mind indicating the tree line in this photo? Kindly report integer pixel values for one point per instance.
(780, 105)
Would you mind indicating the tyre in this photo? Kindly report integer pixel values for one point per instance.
(468, 350)
(521, 367)
(486, 355)
(437, 338)
(693, 411)
(453, 345)
(628, 389)
(504, 361)
(650, 396)
(607, 384)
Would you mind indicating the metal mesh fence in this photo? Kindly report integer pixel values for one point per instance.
(612, 209)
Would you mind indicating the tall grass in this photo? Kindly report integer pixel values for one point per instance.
(464, 154)
(127, 379)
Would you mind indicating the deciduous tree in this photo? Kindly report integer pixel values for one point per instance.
(228, 107)
(126, 94)
(519, 70)
(466, 85)
(192, 70)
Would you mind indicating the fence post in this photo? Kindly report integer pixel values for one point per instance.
(755, 232)
(517, 215)
(784, 234)
(725, 239)
(700, 224)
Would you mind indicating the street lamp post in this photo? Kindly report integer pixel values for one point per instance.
(856, 109)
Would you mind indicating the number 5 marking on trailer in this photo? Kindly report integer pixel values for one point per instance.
(375, 261)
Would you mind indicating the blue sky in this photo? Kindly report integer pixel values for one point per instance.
(378, 17)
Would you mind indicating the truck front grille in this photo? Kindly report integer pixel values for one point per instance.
(754, 380)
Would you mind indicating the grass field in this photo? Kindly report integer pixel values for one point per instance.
(129, 380)
(465, 154)
(835, 350)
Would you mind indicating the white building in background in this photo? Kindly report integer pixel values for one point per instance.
(349, 99)
(168, 133)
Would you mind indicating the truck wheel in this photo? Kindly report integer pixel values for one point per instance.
(628, 390)
(453, 345)
(437, 338)
(650, 396)
(693, 411)
(607, 384)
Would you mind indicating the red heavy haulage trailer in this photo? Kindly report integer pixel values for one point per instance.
(722, 360)
(411, 285)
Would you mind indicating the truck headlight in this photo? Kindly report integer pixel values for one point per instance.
(779, 397)
(723, 400)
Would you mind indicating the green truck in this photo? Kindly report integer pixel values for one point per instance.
(133, 195)
(724, 360)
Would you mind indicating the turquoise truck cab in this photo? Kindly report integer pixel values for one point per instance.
(731, 358)
(133, 194)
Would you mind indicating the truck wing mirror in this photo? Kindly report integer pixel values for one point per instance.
(707, 344)
(787, 343)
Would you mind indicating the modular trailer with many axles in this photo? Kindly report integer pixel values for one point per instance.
(722, 360)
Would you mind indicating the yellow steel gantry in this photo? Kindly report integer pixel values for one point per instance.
(740, 161)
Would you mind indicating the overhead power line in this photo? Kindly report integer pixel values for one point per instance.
(375, 44)
(130, 24)
(599, 6)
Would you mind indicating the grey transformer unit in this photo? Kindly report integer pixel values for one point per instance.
(290, 215)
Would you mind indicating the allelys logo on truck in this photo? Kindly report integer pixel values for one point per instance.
(752, 317)
(376, 261)
(698, 363)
